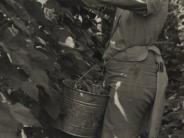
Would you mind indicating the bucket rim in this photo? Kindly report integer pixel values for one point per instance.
(87, 92)
(75, 135)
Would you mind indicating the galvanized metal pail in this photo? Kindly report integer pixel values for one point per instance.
(83, 112)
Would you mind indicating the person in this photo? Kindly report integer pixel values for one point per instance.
(135, 72)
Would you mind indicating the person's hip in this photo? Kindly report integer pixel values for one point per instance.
(142, 73)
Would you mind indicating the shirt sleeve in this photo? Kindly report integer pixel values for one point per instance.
(145, 6)
(153, 6)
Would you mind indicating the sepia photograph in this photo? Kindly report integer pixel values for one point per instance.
(91, 68)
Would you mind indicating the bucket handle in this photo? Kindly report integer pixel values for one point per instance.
(84, 75)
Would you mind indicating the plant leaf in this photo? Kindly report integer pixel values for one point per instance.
(23, 115)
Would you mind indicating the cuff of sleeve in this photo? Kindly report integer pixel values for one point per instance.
(153, 6)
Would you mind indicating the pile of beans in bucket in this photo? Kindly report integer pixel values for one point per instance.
(91, 82)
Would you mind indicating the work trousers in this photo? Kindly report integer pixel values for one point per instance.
(132, 88)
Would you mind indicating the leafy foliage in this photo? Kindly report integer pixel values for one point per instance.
(173, 54)
(41, 43)
(46, 44)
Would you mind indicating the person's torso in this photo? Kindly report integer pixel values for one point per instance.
(132, 29)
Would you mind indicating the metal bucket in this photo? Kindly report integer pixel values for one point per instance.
(84, 112)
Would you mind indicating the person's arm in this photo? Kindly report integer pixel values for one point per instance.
(145, 6)
(128, 4)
